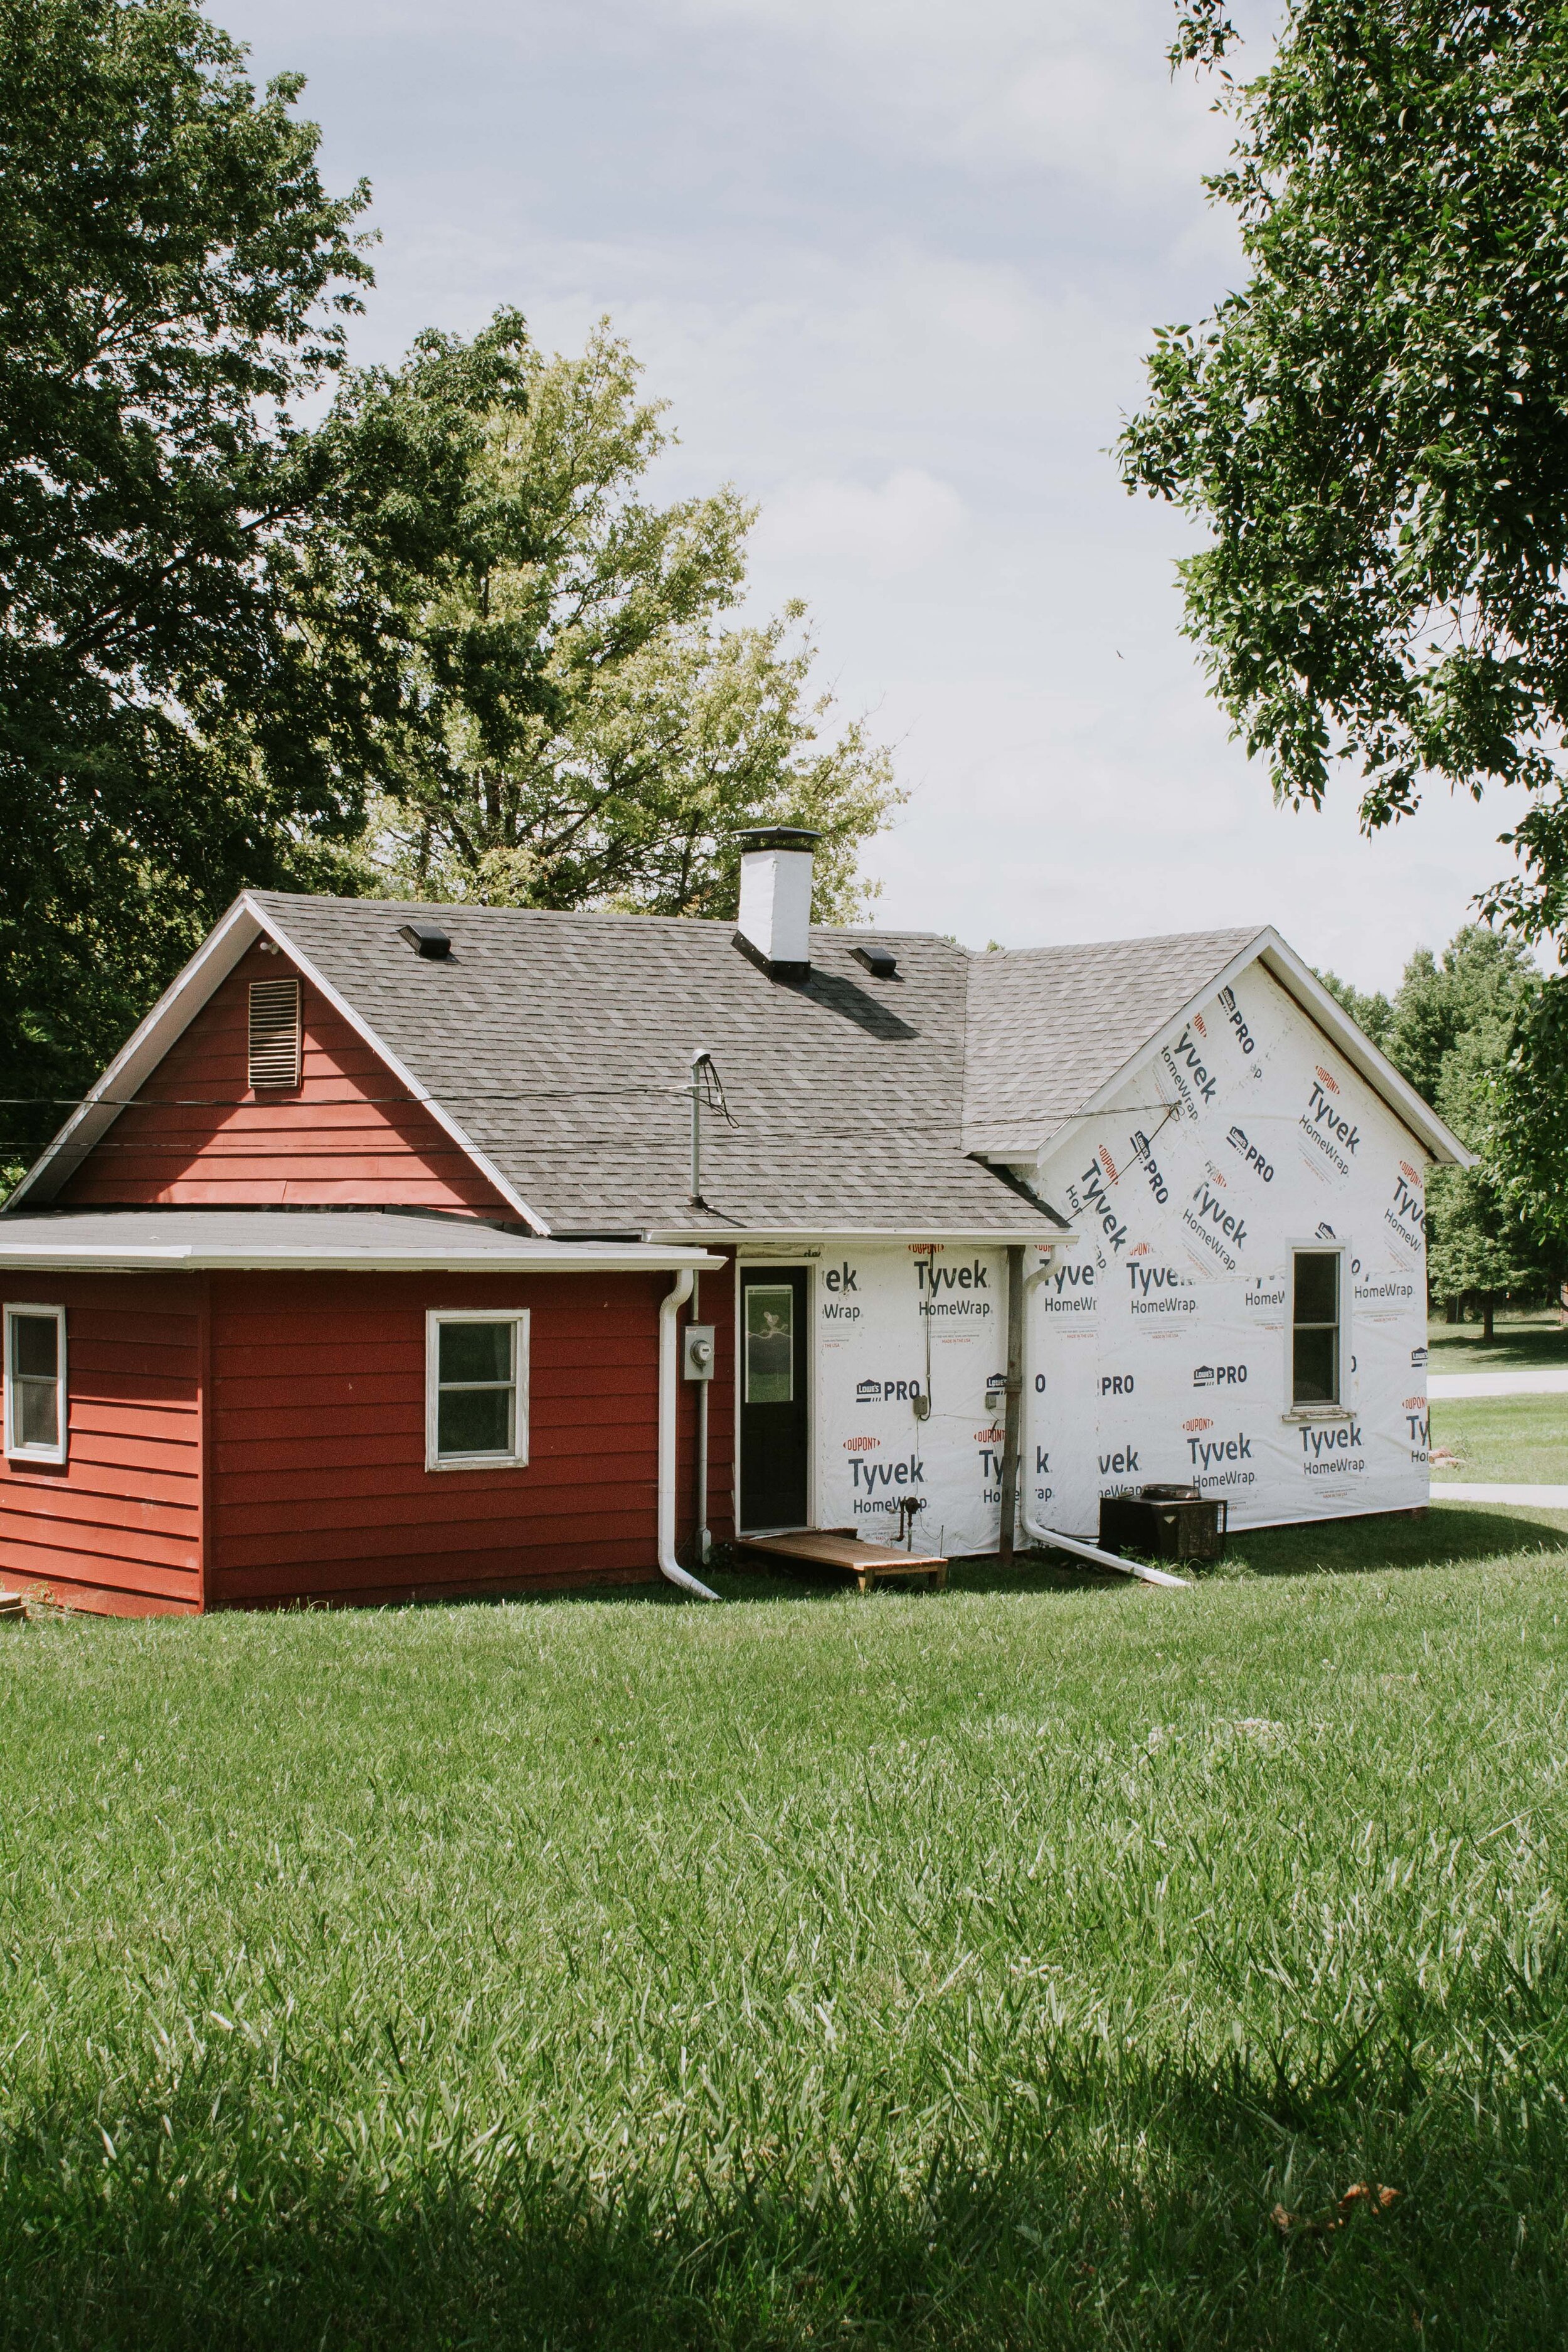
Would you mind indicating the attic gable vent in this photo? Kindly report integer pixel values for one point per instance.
(274, 1032)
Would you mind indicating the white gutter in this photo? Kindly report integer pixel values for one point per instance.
(1052, 1537)
(669, 1309)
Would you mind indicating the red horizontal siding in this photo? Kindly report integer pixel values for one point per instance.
(305, 1466)
(345, 1137)
(319, 1486)
(119, 1527)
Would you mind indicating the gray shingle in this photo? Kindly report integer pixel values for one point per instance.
(561, 1044)
(1049, 1026)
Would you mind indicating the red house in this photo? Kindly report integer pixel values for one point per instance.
(409, 1251)
(358, 1277)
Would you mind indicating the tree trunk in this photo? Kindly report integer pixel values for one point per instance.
(1488, 1304)
(1453, 1311)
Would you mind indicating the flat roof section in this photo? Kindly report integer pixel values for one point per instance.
(366, 1240)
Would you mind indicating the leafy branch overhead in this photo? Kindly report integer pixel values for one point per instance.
(1371, 428)
(574, 726)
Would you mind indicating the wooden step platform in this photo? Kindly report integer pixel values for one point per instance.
(842, 1548)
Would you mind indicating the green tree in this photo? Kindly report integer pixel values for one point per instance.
(1371, 429)
(1455, 1030)
(576, 727)
(172, 276)
(1374, 1013)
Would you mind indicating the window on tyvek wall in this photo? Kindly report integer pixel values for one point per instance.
(1315, 1335)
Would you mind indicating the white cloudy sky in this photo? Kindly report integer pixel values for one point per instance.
(895, 263)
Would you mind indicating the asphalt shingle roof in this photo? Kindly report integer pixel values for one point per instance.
(1049, 1026)
(561, 1044)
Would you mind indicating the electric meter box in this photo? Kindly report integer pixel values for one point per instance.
(698, 1359)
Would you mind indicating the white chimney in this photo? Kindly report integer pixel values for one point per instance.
(774, 924)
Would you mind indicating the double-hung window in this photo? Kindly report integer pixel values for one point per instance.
(1317, 1337)
(476, 1390)
(35, 1383)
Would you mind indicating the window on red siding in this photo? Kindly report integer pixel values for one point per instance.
(476, 1405)
(35, 1383)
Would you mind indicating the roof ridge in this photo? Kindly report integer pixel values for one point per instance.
(1127, 939)
(726, 923)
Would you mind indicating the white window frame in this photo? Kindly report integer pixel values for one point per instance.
(15, 1451)
(1344, 1407)
(435, 1318)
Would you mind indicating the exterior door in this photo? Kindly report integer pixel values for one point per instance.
(775, 1423)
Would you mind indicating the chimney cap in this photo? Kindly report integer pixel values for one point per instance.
(777, 836)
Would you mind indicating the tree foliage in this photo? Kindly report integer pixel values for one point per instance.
(1372, 427)
(575, 727)
(173, 276)
(1455, 1027)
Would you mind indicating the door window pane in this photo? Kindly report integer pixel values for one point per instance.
(770, 1344)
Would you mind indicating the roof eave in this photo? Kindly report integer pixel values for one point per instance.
(1039, 1234)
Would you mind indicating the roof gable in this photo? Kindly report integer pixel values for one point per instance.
(1053, 1031)
(349, 1134)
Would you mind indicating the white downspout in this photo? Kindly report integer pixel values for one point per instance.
(1051, 1535)
(668, 1392)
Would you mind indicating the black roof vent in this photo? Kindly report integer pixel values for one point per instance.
(427, 940)
(881, 963)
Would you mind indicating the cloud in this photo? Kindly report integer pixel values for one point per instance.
(906, 523)
(999, 86)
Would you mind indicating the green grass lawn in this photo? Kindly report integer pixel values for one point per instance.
(1521, 1439)
(972, 1970)
(1522, 1343)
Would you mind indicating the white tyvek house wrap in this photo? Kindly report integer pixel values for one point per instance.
(1162, 1341)
(892, 1324)
(1158, 1348)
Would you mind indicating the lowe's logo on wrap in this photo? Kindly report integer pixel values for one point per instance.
(1418, 1360)
(1335, 1135)
(886, 1392)
(1220, 1376)
(1232, 1012)
(1239, 1140)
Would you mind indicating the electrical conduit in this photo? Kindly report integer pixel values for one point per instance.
(668, 1396)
